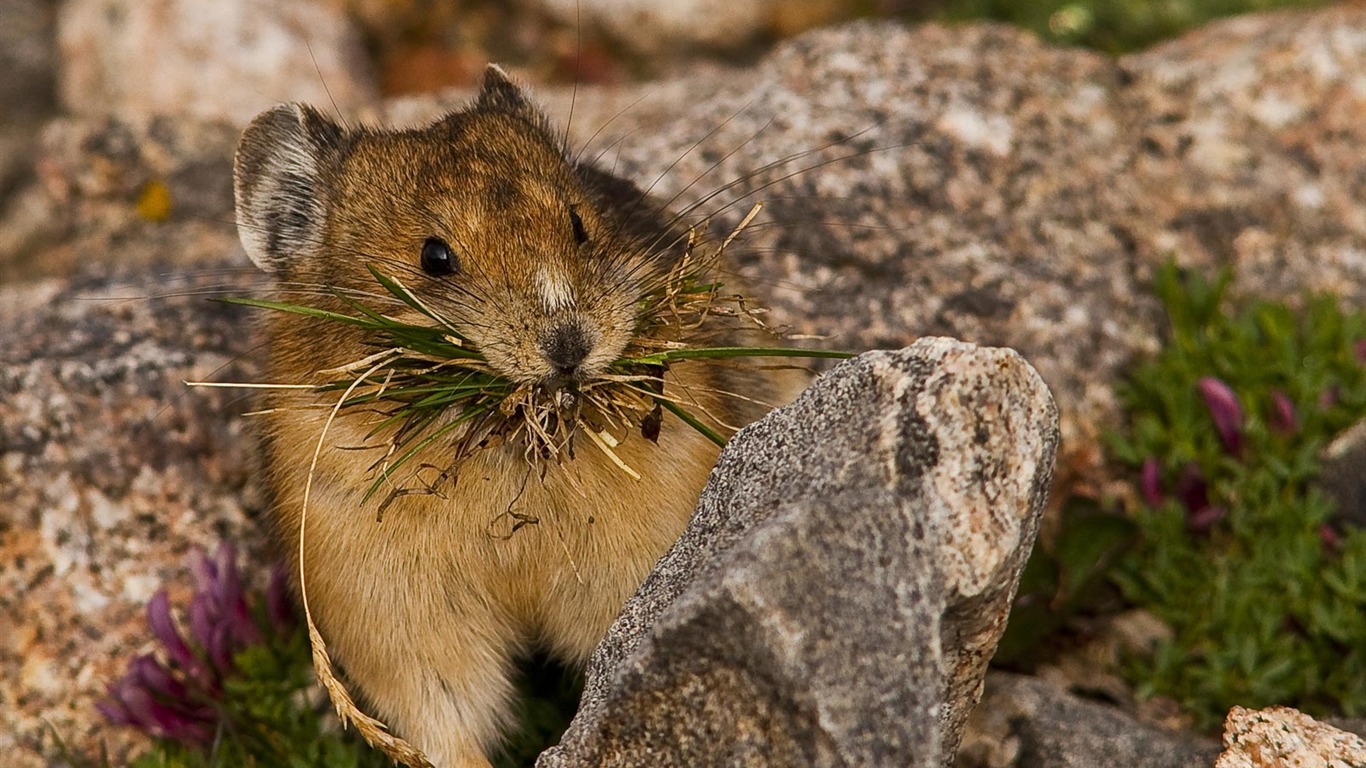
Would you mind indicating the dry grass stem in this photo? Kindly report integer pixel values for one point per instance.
(375, 733)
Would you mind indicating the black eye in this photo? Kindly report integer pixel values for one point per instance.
(437, 258)
(580, 234)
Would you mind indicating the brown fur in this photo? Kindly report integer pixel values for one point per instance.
(428, 607)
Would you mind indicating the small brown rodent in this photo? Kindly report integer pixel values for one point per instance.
(541, 262)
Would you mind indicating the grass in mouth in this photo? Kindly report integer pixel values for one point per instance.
(426, 381)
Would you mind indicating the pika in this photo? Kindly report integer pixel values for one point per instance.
(540, 262)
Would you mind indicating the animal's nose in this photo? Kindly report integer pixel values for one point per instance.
(565, 346)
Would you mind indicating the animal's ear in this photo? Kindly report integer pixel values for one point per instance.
(280, 178)
(500, 94)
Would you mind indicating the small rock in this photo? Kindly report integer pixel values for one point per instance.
(1281, 737)
(226, 60)
(844, 580)
(1023, 722)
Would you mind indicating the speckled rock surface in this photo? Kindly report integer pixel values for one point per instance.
(1281, 737)
(111, 470)
(227, 59)
(1249, 149)
(1023, 722)
(131, 192)
(844, 580)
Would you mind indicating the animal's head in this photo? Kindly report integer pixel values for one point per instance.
(541, 262)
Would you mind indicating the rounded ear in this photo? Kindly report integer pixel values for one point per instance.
(280, 174)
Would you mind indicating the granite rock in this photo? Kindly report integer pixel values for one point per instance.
(227, 59)
(118, 193)
(844, 579)
(1281, 737)
(1023, 722)
(111, 471)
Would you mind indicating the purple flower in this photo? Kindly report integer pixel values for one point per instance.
(1193, 491)
(1329, 397)
(1283, 418)
(1359, 349)
(165, 630)
(219, 607)
(174, 697)
(1227, 412)
(135, 701)
(279, 609)
(1328, 535)
(1150, 483)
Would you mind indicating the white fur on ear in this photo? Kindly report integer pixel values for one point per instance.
(279, 181)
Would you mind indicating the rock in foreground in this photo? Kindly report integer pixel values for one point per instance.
(1281, 737)
(844, 580)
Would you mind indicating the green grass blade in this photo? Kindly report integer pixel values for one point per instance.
(445, 429)
(691, 420)
(402, 294)
(296, 309)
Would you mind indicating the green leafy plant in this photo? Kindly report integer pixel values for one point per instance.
(1266, 595)
(235, 688)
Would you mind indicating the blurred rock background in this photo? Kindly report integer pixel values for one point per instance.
(220, 63)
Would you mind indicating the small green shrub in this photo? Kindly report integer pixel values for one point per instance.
(1238, 554)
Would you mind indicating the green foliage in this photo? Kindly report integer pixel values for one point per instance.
(1114, 26)
(1063, 579)
(1266, 599)
(271, 716)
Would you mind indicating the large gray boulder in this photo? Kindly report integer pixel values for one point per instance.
(844, 580)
